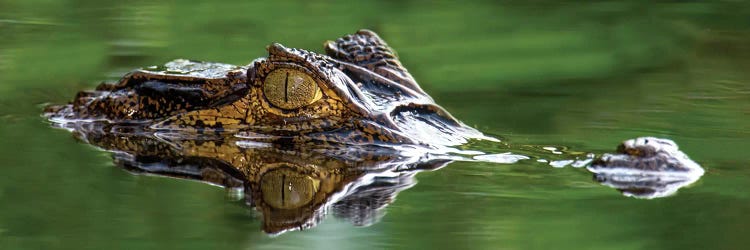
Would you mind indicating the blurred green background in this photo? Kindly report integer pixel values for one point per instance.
(574, 75)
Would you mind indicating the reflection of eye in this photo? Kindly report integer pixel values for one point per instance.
(285, 189)
(290, 89)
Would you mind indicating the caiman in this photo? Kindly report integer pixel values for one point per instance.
(299, 132)
(359, 93)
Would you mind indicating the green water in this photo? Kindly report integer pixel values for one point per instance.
(571, 75)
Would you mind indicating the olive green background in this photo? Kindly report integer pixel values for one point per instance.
(574, 75)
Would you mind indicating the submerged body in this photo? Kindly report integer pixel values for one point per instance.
(646, 167)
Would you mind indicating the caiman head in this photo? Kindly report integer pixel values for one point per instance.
(359, 93)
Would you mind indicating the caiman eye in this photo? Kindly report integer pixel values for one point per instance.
(286, 189)
(290, 89)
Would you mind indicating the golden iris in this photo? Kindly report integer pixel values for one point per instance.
(290, 89)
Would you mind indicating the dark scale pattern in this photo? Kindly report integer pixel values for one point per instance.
(364, 48)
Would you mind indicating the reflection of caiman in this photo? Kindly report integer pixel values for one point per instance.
(292, 189)
(300, 131)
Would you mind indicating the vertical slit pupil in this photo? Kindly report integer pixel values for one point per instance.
(286, 88)
(283, 184)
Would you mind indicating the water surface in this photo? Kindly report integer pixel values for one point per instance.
(579, 78)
